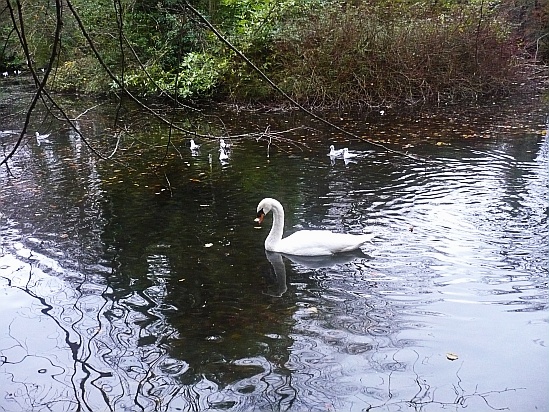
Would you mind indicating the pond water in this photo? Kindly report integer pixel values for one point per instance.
(140, 282)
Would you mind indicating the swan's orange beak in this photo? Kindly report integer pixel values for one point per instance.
(260, 217)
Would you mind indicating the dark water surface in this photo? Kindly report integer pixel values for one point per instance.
(148, 288)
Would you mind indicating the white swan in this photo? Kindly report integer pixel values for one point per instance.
(334, 152)
(305, 242)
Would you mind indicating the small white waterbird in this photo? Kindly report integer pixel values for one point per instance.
(224, 145)
(334, 152)
(42, 138)
(194, 147)
(347, 154)
(223, 156)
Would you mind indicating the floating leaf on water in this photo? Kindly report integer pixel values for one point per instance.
(451, 356)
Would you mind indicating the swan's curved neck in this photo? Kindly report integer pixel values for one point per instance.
(275, 235)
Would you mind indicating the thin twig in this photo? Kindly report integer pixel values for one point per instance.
(116, 146)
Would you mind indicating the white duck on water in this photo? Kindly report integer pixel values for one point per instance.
(305, 242)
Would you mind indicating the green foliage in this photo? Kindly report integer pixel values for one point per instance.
(184, 60)
(197, 75)
(321, 51)
(83, 74)
(253, 27)
(39, 25)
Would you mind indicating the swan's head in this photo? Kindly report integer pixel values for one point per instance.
(332, 147)
(263, 208)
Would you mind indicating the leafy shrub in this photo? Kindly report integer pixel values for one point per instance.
(83, 74)
(198, 75)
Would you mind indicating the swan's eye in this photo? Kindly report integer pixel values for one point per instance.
(260, 216)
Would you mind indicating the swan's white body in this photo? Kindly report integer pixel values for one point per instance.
(305, 242)
(334, 152)
(347, 154)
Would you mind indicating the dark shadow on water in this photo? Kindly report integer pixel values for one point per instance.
(310, 262)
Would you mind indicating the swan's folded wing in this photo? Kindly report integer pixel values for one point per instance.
(320, 243)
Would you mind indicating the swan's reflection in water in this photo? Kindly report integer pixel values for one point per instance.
(310, 262)
(275, 259)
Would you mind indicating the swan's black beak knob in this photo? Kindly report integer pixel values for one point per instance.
(260, 216)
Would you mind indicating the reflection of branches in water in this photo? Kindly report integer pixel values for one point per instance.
(75, 346)
(36, 395)
(426, 393)
(130, 371)
(381, 374)
(141, 373)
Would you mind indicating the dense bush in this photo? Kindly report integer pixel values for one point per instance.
(322, 52)
(370, 54)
